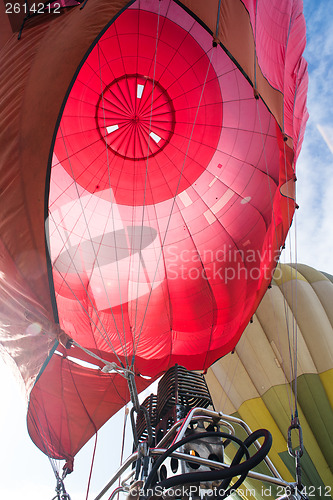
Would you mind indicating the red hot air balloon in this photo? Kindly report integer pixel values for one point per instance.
(147, 170)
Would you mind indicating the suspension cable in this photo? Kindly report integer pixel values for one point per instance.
(91, 466)
(295, 424)
(276, 239)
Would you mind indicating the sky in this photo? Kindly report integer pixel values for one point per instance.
(26, 472)
(314, 228)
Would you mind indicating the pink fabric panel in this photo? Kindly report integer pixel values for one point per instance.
(280, 35)
(161, 235)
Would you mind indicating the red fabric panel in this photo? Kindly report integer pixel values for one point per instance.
(168, 247)
(63, 417)
(181, 67)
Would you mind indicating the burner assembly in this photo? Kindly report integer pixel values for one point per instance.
(179, 392)
(184, 449)
(181, 440)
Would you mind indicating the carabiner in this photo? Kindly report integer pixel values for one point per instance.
(296, 453)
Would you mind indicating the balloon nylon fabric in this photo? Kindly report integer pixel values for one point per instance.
(252, 383)
(144, 246)
(171, 193)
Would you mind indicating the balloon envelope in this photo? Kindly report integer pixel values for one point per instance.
(253, 383)
(166, 187)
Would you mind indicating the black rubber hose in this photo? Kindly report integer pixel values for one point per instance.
(183, 441)
(223, 492)
(235, 469)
